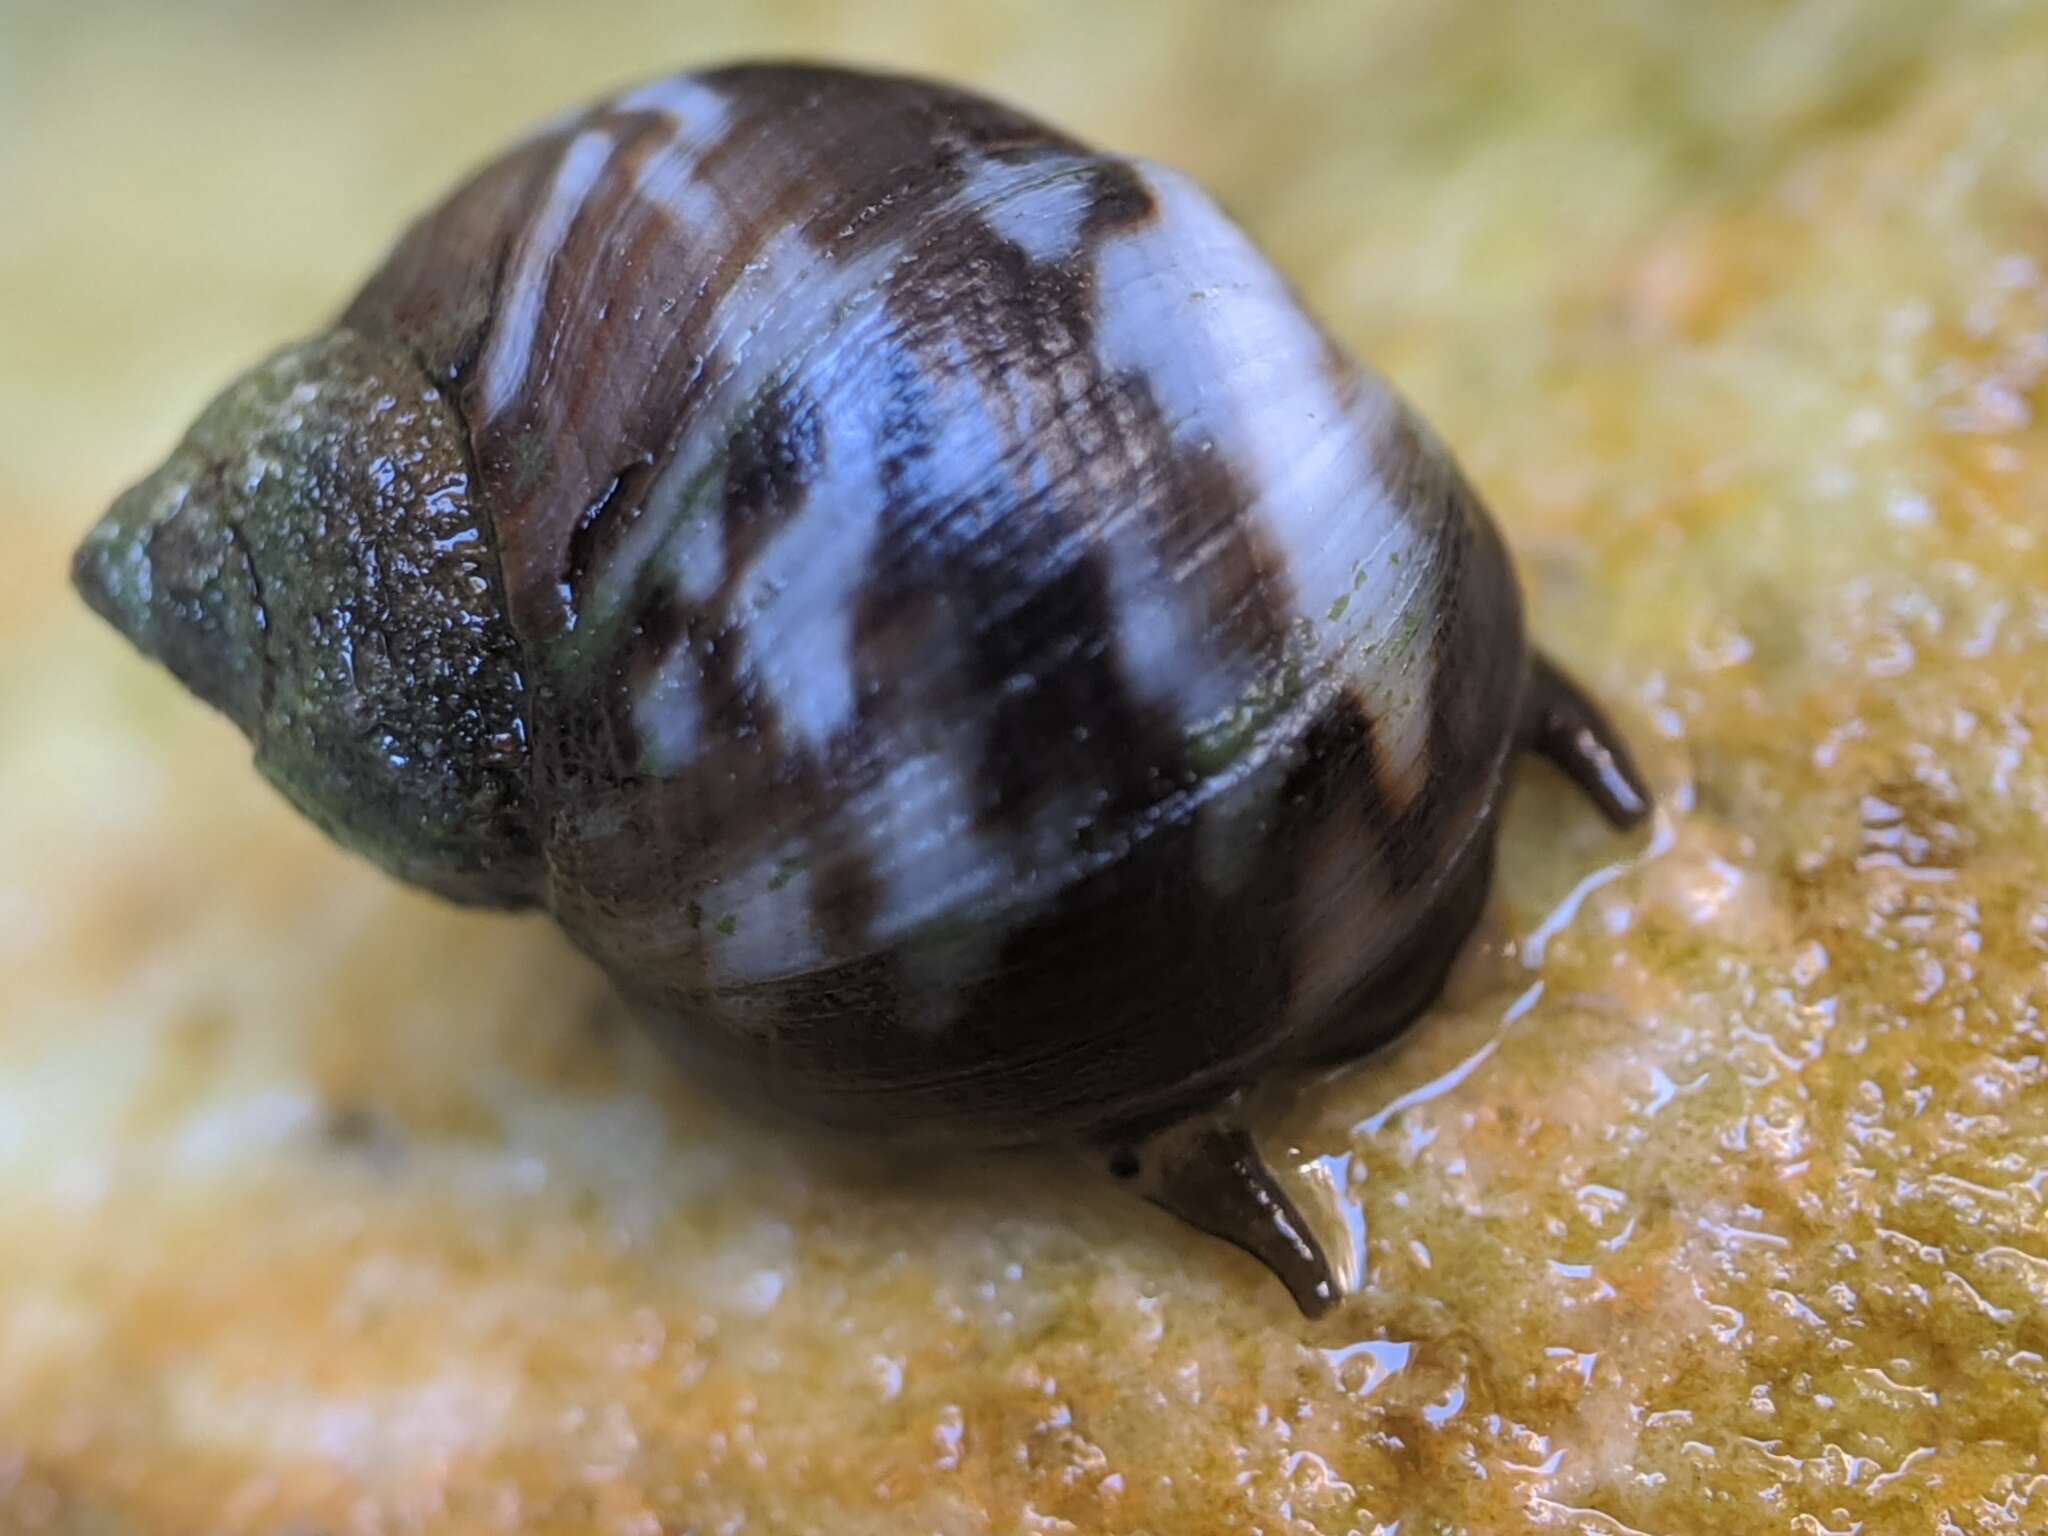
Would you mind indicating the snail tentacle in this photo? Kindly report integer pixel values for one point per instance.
(1208, 1171)
(1563, 725)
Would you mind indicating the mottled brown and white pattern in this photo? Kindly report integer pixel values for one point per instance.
(992, 666)
(906, 462)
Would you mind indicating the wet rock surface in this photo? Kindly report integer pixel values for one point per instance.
(1715, 1195)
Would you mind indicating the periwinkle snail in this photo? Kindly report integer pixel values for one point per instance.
(917, 600)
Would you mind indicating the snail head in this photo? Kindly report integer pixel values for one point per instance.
(309, 561)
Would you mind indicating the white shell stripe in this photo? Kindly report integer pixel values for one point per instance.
(668, 715)
(668, 179)
(794, 603)
(1189, 303)
(700, 111)
(1166, 654)
(510, 350)
(758, 921)
(798, 596)
(798, 608)
(919, 826)
(1039, 213)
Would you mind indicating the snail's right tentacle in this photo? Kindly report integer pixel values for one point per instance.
(1562, 724)
(1208, 1171)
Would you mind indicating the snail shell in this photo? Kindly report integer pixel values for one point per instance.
(917, 599)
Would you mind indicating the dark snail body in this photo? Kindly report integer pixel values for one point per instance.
(916, 600)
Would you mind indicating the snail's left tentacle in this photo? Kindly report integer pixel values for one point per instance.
(1208, 1171)
(1564, 725)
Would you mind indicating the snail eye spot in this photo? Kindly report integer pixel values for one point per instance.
(1123, 1164)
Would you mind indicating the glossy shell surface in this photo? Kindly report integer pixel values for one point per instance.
(988, 647)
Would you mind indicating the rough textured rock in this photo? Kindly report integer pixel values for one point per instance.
(1713, 1198)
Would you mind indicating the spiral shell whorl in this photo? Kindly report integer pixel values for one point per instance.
(943, 552)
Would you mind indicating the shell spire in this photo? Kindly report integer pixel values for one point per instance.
(309, 562)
